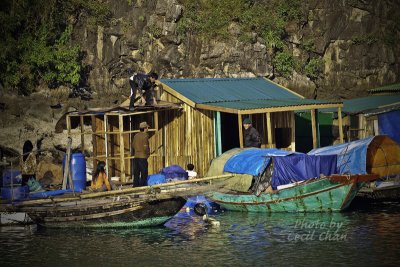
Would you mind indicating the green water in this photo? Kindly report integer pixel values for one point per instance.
(365, 235)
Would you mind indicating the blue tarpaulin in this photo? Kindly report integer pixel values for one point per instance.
(300, 167)
(252, 161)
(389, 124)
(351, 157)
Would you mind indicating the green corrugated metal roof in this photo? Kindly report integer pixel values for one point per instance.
(271, 103)
(359, 105)
(213, 90)
(388, 88)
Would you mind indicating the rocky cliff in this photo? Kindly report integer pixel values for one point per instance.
(358, 42)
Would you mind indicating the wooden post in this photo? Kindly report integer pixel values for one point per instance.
(82, 134)
(340, 125)
(106, 141)
(293, 126)
(240, 130)
(269, 130)
(121, 147)
(68, 118)
(314, 128)
(94, 140)
(156, 121)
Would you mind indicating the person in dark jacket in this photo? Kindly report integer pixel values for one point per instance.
(141, 149)
(142, 82)
(251, 136)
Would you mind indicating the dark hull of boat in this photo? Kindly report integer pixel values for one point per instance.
(385, 193)
(107, 214)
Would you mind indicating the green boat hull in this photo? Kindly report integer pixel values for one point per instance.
(319, 195)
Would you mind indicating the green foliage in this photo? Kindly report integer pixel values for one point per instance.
(211, 19)
(283, 63)
(308, 45)
(36, 41)
(314, 68)
(154, 30)
(267, 18)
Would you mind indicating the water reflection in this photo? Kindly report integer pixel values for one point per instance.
(366, 234)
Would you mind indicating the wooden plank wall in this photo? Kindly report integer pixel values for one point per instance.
(189, 137)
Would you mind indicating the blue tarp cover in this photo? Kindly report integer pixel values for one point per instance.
(252, 161)
(174, 172)
(300, 167)
(157, 178)
(351, 157)
(389, 124)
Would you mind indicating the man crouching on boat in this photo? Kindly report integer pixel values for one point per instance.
(100, 181)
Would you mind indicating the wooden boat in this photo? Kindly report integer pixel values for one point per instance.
(333, 193)
(131, 207)
(387, 190)
(376, 154)
(127, 210)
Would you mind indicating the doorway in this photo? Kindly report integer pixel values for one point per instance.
(229, 131)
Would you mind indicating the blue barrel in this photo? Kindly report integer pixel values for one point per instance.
(77, 168)
(11, 175)
(14, 193)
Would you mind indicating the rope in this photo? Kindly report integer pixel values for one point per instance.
(345, 163)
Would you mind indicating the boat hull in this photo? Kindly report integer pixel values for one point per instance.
(106, 214)
(319, 195)
(385, 193)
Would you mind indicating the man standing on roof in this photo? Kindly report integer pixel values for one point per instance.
(141, 149)
(251, 136)
(142, 82)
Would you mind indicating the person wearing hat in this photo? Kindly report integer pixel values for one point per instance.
(141, 150)
(142, 82)
(251, 136)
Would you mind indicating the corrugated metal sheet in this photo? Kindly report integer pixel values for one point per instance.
(213, 90)
(388, 88)
(358, 105)
(270, 103)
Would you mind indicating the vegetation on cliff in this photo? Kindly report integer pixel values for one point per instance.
(36, 46)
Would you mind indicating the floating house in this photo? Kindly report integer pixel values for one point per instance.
(197, 120)
(377, 113)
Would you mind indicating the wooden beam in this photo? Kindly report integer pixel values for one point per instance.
(340, 125)
(216, 108)
(240, 130)
(122, 148)
(177, 95)
(314, 128)
(264, 110)
(289, 108)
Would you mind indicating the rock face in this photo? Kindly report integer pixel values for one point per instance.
(357, 40)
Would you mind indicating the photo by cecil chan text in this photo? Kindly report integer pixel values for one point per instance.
(317, 230)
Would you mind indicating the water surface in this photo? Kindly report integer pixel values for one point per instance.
(367, 234)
